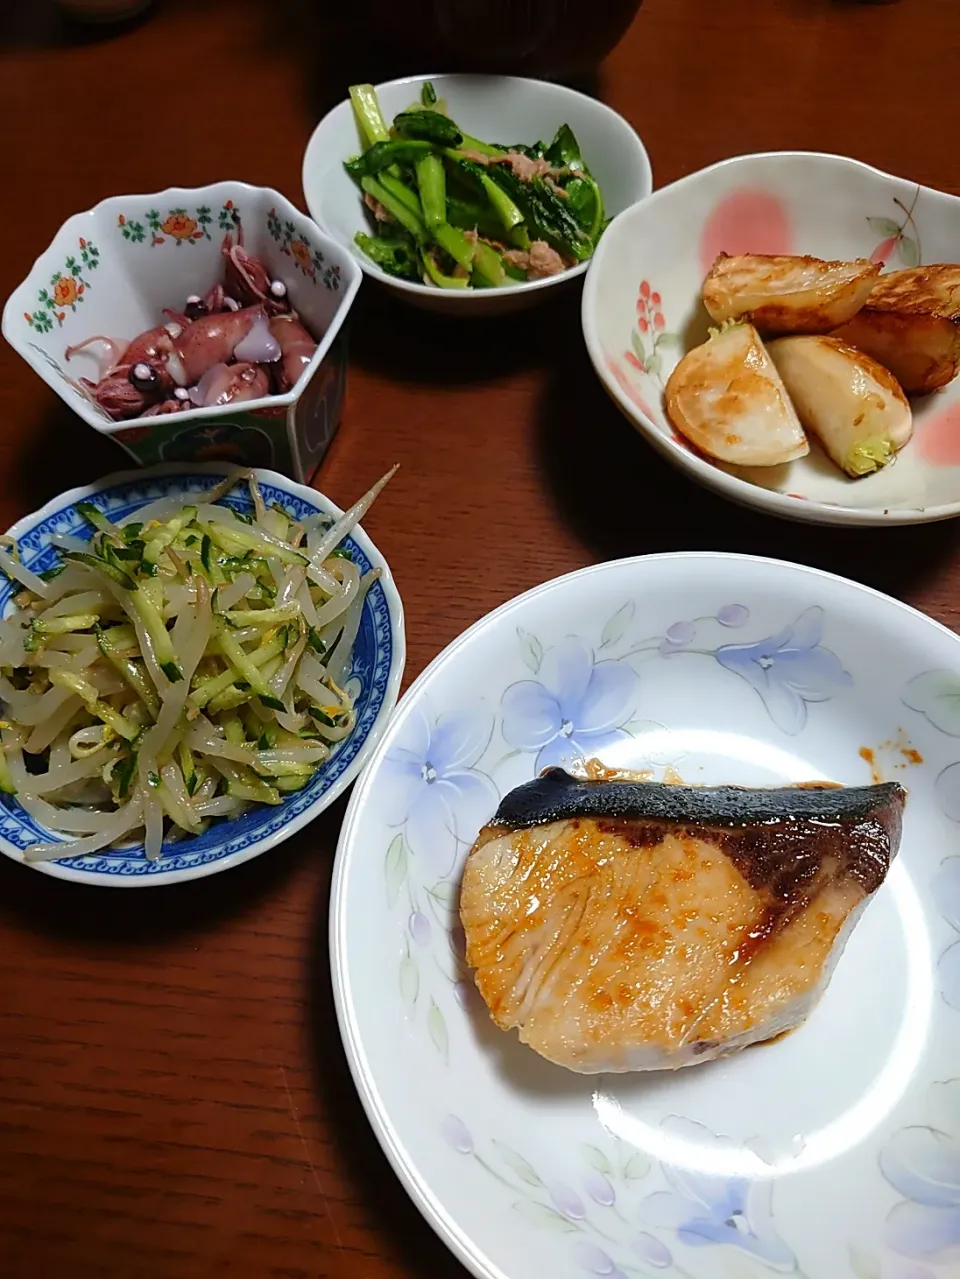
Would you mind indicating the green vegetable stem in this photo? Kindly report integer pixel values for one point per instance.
(450, 203)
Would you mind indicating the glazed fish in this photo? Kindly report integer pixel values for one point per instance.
(640, 926)
(786, 293)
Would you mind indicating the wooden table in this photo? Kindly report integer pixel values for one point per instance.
(174, 1101)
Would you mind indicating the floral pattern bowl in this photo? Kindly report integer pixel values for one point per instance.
(642, 312)
(113, 268)
(494, 108)
(833, 1153)
(373, 679)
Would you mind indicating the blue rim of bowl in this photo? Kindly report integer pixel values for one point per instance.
(521, 288)
(378, 661)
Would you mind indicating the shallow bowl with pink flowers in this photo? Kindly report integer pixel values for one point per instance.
(642, 312)
(111, 270)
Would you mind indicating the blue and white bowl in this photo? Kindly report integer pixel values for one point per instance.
(375, 672)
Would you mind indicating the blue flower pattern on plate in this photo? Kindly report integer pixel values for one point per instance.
(575, 710)
(946, 890)
(706, 1209)
(936, 696)
(432, 788)
(923, 1164)
(788, 669)
(699, 1209)
(372, 661)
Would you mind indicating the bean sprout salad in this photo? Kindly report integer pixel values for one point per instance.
(186, 663)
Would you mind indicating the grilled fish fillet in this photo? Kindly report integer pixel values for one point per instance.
(640, 926)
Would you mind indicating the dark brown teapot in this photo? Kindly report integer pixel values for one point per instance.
(526, 37)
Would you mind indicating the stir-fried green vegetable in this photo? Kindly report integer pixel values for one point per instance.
(186, 664)
(457, 212)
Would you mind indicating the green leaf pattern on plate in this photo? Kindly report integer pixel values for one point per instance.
(597, 1159)
(409, 982)
(67, 289)
(531, 650)
(177, 226)
(517, 1164)
(883, 226)
(899, 235)
(437, 1030)
(637, 1166)
(308, 260)
(936, 695)
(615, 629)
(864, 1265)
(544, 1217)
(395, 870)
(445, 893)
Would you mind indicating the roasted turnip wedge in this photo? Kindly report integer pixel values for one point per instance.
(912, 326)
(727, 398)
(786, 294)
(852, 404)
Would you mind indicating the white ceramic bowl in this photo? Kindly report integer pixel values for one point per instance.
(642, 311)
(111, 269)
(496, 109)
(830, 1153)
(375, 672)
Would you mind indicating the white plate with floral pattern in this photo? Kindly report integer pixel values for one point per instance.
(833, 1153)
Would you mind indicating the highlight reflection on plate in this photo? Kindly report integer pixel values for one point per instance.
(887, 975)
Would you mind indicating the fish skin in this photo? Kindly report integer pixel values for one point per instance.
(556, 794)
(640, 926)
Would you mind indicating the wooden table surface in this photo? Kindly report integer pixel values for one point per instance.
(174, 1100)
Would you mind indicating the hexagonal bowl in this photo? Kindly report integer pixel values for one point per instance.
(113, 268)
